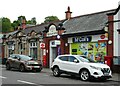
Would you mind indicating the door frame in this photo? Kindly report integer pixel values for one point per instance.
(53, 43)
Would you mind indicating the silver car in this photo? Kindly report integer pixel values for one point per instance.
(23, 63)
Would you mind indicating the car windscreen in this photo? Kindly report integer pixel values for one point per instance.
(85, 59)
(25, 58)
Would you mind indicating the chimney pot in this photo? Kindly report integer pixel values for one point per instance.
(68, 13)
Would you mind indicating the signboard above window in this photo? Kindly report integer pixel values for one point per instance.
(82, 39)
(89, 38)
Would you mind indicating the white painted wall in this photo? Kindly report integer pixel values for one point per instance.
(116, 35)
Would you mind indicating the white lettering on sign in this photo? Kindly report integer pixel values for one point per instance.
(82, 39)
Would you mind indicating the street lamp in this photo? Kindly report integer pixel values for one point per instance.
(58, 36)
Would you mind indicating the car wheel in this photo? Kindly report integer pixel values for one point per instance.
(56, 72)
(84, 75)
(22, 68)
(8, 66)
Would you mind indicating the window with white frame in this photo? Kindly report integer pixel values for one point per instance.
(33, 44)
(33, 50)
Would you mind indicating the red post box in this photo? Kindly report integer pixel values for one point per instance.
(108, 60)
(44, 61)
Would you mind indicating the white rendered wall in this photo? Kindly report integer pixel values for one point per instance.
(116, 35)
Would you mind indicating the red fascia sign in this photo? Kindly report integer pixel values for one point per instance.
(102, 36)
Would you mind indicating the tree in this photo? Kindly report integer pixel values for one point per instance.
(0, 25)
(50, 19)
(18, 22)
(6, 25)
(15, 24)
(20, 19)
(32, 21)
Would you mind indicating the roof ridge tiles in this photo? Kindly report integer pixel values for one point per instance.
(93, 13)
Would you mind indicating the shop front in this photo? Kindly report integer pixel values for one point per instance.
(93, 46)
(52, 44)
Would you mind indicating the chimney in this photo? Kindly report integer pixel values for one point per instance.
(23, 24)
(68, 13)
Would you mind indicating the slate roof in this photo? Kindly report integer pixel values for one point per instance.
(41, 27)
(87, 23)
(10, 33)
(80, 24)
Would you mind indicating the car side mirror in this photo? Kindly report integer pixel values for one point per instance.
(15, 57)
(19, 59)
(76, 61)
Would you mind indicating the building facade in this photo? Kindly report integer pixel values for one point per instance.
(91, 35)
(83, 35)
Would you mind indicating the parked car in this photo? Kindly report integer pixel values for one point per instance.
(80, 65)
(23, 63)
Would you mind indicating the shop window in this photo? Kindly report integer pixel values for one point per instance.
(94, 50)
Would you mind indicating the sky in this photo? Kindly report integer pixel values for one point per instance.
(43, 8)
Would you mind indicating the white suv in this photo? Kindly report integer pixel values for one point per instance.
(80, 65)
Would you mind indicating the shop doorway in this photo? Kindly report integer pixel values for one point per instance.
(54, 48)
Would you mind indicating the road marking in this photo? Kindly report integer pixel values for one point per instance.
(29, 73)
(25, 82)
(3, 77)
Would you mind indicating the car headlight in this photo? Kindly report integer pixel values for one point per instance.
(26, 62)
(97, 68)
(35, 62)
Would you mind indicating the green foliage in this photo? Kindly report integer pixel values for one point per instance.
(6, 25)
(50, 19)
(0, 24)
(32, 21)
(18, 22)
(15, 24)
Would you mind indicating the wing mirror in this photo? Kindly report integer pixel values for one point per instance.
(19, 59)
(15, 57)
(76, 61)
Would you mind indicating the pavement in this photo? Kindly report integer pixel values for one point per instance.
(115, 76)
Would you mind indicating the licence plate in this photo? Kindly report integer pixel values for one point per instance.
(106, 74)
(36, 67)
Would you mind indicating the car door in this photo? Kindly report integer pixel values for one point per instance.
(73, 66)
(17, 61)
(12, 60)
(63, 63)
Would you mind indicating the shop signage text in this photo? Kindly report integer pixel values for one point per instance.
(82, 39)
